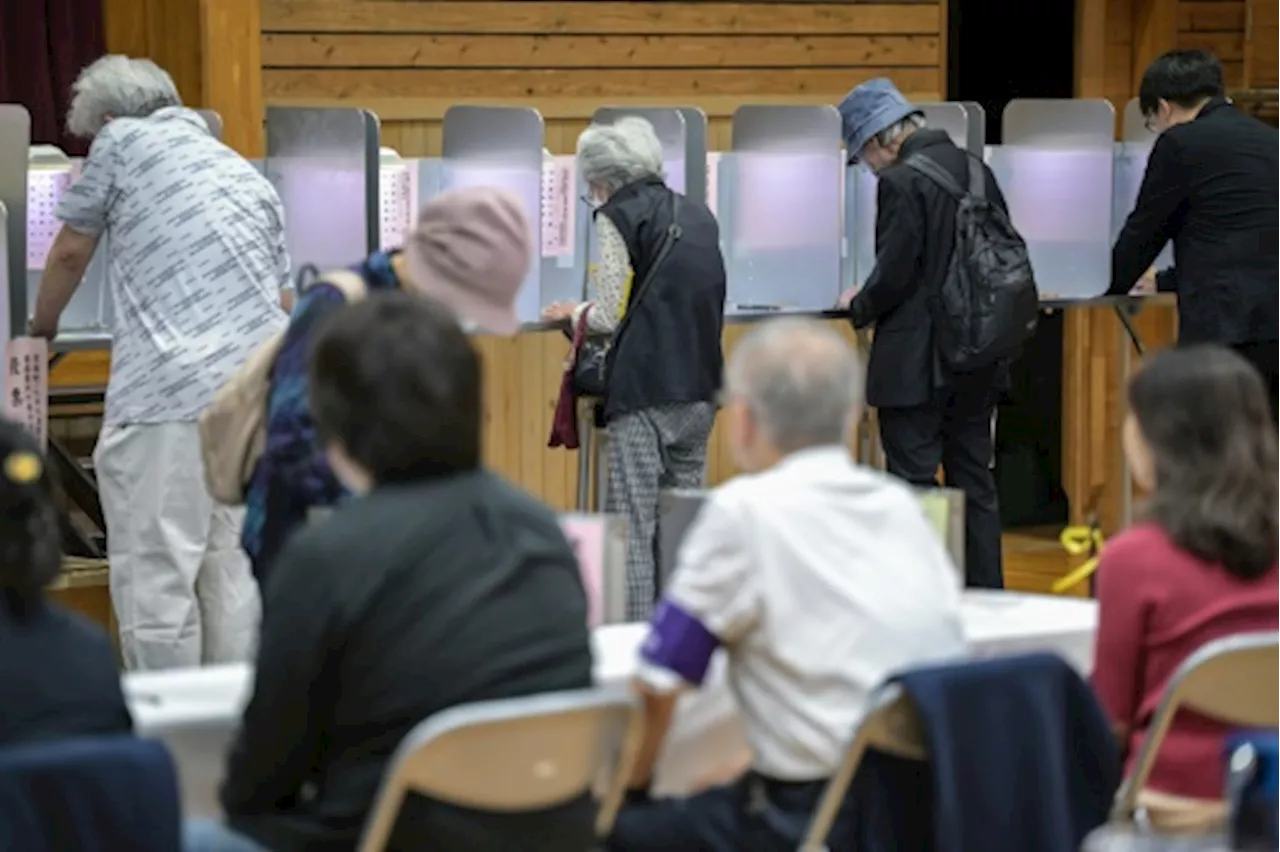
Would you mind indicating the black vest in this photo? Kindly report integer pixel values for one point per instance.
(667, 348)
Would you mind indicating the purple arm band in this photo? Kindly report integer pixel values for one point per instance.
(679, 643)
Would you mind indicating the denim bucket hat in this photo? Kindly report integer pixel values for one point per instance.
(871, 107)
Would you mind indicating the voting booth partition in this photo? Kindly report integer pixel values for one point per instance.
(797, 222)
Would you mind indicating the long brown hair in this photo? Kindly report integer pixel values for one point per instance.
(1203, 411)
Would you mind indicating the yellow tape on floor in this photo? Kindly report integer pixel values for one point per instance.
(1079, 541)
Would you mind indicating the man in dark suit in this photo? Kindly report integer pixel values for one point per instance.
(1210, 186)
(929, 416)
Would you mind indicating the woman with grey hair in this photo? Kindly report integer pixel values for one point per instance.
(659, 300)
(194, 238)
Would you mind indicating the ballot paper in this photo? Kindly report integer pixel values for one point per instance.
(45, 188)
(559, 184)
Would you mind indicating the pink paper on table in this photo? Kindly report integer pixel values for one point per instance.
(587, 536)
(26, 391)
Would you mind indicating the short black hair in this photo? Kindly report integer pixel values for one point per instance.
(1205, 413)
(1182, 77)
(396, 381)
(30, 532)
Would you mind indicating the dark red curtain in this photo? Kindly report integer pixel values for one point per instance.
(43, 46)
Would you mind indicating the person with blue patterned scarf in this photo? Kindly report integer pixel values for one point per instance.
(471, 251)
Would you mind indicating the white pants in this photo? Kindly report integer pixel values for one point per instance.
(181, 586)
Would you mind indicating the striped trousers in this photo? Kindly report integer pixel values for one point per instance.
(649, 451)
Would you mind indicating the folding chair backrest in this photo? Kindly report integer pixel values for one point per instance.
(511, 756)
(890, 725)
(1234, 680)
(92, 793)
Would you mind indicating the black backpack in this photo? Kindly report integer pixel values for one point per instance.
(987, 306)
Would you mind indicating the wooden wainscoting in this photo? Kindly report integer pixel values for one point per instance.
(410, 60)
(522, 382)
(1217, 26)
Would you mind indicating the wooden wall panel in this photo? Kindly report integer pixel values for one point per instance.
(409, 60)
(164, 31)
(1262, 45)
(209, 47)
(1217, 26)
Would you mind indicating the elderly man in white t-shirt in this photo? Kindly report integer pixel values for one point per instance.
(198, 272)
(818, 577)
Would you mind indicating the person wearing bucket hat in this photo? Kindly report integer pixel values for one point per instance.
(470, 250)
(929, 416)
(867, 112)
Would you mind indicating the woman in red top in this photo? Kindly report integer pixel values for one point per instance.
(1202, 565)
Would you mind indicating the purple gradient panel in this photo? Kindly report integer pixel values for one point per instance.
(786, 200)
(324, 205)
(675, 174)
(1056, 195)
(1061, 203)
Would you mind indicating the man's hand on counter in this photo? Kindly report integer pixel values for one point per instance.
(1146, 284)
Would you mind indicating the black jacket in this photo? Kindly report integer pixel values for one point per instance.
(915, 234)
(401, 604)
(1210, 187)
(667, 348)
(60, 677)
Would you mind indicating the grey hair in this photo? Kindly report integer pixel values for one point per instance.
(614, 155)
(801, 381)
(120, 87)
(906, 126)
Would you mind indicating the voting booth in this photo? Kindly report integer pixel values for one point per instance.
(324, 164)
(86, 323)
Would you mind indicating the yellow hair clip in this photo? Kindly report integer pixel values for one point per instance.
(22, 468)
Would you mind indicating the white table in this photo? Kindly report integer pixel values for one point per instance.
(195, 711)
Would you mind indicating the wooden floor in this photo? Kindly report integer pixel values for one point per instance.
(1033, 560)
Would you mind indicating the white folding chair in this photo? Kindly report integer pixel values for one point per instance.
(514, 755)
(890, 725)
(1234, 680)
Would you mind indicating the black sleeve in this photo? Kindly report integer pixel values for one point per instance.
(1148, 228)
(280, 734)
(899, 243)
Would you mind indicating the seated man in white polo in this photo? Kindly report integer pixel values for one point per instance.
(818, 577)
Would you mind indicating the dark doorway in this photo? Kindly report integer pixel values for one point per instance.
(998, 51)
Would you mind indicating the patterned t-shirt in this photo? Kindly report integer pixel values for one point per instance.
(196, 255)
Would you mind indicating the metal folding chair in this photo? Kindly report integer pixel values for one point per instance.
(1234, 680)
(514, 755)
(890, 725)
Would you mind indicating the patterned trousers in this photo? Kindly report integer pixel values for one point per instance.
(652, 450)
